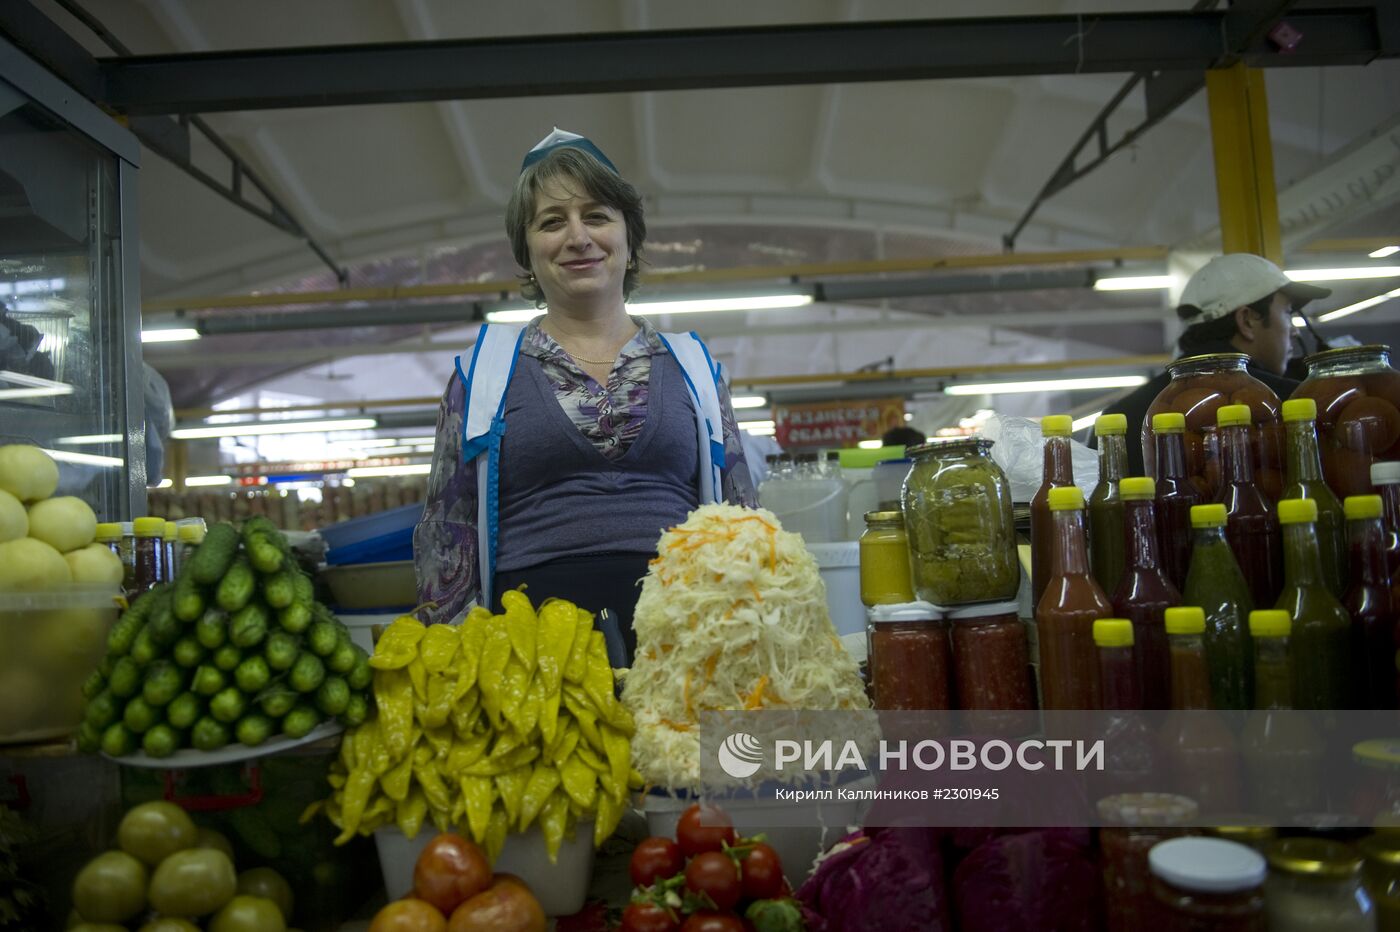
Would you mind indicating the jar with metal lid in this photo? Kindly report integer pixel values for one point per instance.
(1258, 837)
(1380, 875)
(957, 513)
(1135, 823)
(884, 560)
(909, 659)
(1208, 885)
(1380, 757)
(151, 567)
(1201, 385)
(991, 659)
(1358, 413)
(1314, 885)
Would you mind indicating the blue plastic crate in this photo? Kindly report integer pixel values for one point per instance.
(374, 527)
(387, 548)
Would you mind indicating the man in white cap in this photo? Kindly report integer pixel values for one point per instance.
(1237, 303)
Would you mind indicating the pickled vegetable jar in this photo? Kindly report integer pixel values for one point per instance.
(1315, 886)
(991, 659)
(1208, 885)
(1201, 385)
(1358, 413)
(957, 513)
(910, 667)
(884, 560)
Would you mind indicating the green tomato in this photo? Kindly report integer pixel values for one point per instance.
(188, 652)
(117, 740)
(266, 883)
(139, 715)
(333, 696)
(228, 705)
(252, 674)
(300, 721)
(111, 888)
(155, 830)
(227, 657)
(248, 914)
(208, 735)
(193, 883)
(185, 710)
(212, 838)
(254, 729)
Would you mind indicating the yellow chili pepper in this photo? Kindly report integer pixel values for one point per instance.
(496, 831)
(466, 752)
(543, 780)
(418, 676)
(398, 645)
(395, 780)
(393, 694)
(353, 802)
(586, 719)
(436, 710)
(619, 752)
(597, 674)
(580, 782)
(605, 822)
(495, 654)
(479, 794)
(411, 812)
(430, 782)
(510, 786)
(557, 620)
(552, 820)
(491, 766)
(516, 682)
(473, 639)
(528, 716)
(438, 647)
(522, 625)
(577, 663)
(465, 713)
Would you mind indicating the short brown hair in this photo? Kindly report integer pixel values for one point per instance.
(602, 183)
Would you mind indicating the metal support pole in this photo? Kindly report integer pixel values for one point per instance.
(1244, 162)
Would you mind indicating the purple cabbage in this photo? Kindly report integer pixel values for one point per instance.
(888, 879)
(1044, 880)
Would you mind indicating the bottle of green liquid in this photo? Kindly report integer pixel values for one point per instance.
(1303, 479)
(1215, 583)
(1322, 673)
(1105, 506)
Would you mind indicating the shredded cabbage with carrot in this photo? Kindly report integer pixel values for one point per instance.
(732, 616)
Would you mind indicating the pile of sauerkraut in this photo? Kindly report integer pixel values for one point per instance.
(732, 616)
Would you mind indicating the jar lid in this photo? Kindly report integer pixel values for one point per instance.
(1113, 632)
(1383, 847)
(171, 531)
(1299, 409)
(943, 445)
(1378, 752)
(1314, 857)
(1208, 515)
(1270, 623)
(1386, 472)
(1243, 832)
(1343, 353)
(877, 516)
(1185, 619)
(1297, 511)
(1066, 498)
(1056, 425)
(1146, 809)
(193, 533)
(1362, 507)
(108, 530)
(1233, 416)
(1137, 489)
(1207, 865)
(904, 611)
(981, 610)
(148, 527)
(1111, 425)
(1168, 422)
(1220, 360)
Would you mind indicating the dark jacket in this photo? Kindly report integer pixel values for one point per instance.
(1135, 405)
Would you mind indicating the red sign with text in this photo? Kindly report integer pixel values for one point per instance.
(836, 423)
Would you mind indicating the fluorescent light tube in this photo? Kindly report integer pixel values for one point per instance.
(672, 306)
(741, 402)
(84, 459)
(1087, 420)
(870, 444)
(166, 484)
(194, 481)
(1342, 275)
(31, 386)
(1385, 252)
(751, 425)
(760, 431)
(367, 472)
(1046, 385)
(262, 428)
(1358, 306)
(87, 439)
(1133, 282)
(169, 335)
(368, 444)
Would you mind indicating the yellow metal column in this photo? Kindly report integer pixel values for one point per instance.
(1244, 161)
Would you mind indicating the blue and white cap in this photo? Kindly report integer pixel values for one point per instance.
(559, 139)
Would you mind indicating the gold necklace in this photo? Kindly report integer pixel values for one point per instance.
(596, 362)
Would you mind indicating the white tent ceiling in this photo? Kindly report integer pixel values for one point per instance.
(739, 176)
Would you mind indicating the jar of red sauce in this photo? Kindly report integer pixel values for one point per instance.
(1134, 823)
(1358, 413)
(1201, 385)
(991, 659)
(910, 658)
(1208, 885)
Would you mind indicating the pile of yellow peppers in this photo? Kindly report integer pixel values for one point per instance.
(487, 727)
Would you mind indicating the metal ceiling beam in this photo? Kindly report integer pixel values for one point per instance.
(623, 62)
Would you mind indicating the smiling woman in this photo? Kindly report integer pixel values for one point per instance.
(616, 431)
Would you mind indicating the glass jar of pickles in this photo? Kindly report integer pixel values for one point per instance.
(1314, 885)
(957, 513)
(1201, 385)
(1358, 413)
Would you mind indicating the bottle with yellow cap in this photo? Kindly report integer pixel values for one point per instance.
(1303, 479)
(1215, 584)
(1370, 602)
(1105, 505)
(1282, 752)
(1322, 651)
(1199, 748)
(1118, 680)
(1065, 615)
(1058, 472)
(1251, 525)
(151, 568)
(1145, 592)
(1177, 494)
(170, 538)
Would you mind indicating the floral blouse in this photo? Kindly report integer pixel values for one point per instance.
(611, 417)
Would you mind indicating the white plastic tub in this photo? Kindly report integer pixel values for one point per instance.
(560, 887)
(839, 566)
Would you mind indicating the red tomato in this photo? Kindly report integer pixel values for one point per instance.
(655, 859)
(713, 922)
(648, 917)
(408, 915)
(450, 871)
(763, 874)
(695, 838)
(716, 876)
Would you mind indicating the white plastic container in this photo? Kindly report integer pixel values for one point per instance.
(361, 626)
(814, 508)
(560, 887)
(839, 566)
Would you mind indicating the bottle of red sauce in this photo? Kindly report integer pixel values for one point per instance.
(1058, 473)
(1176, 494)
(1199, 746)
(1145, 593)
(1065, 615)
(1251, 522)
(1371, 604)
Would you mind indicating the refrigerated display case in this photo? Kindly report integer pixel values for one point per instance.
(71, 377)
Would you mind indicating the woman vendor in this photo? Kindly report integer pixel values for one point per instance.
(565, 447)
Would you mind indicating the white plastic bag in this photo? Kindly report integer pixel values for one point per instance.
(1019, 449)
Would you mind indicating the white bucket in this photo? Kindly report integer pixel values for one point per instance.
(560, 887)
(361, 627)
(839, 566)
(814, 508)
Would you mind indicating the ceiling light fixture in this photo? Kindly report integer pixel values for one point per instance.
(1385, 252)
(1133, 282)
(31, 386)
(89, 439)
(195, 481)
(262, 428)
(870, 444)
(165, 484)
(1046, 385)
(759, 425)
(740, 402)
(1343, 275)
(1358, 306)
(1087, 420)
(84, 459)
(368, 472)
(169, 335)
(520, 315)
